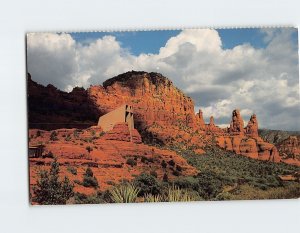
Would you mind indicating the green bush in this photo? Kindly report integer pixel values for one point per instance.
(76, 133)
(187, 183)
(53, 136)
(147, 184)
(209, 185)
(89, 180)
(163, 164)
(48, 155)
(176, 173)
(131, 162)
(68, 138)
(97, 198)
(165, 178)
(109, 182)
(178, 168)
(171, 163)
(72, 170)
(145, 159)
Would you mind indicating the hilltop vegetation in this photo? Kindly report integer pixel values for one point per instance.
(239, 177)
(276, 136)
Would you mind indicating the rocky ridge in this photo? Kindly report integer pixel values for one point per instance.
(165, 115)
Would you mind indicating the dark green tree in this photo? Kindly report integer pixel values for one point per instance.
(89, 180)
(50, 190)
(147, 184)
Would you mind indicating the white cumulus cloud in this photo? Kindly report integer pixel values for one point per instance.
(264, 81)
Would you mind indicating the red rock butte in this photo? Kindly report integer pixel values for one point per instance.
(161, 114)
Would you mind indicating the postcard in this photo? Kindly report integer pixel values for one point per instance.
(163, 115)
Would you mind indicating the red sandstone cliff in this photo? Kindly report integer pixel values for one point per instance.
(51, 108)
(245, 141)
(154, 98)
(162, 114)
(290, 150)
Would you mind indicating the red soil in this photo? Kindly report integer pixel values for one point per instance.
(107, 158)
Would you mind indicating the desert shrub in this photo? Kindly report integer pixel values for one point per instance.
(131, 162)
(145, 159)
(153, 198)
(209, 185)
(187, 183)
(76, 133)
(165, 178)
(50, 190)
(72, 170)
(124, 193)
(68, 138)
(97, 198)
(53, 136)
(87, 140)
(150, 160)
(48, 155)
(163, 164)
(178, 168)
(89, 180)
(147, 184)
(223, 196)
(171, 163)
(109, 182)
(38, 133)
(80, 198)
(89, 149)
(176, 173)
(78, 182)
(175, 194)
(101, 134)
(40, 163)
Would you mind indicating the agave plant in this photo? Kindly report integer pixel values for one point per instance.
(175, 194)
(124, 193)
(153, 198)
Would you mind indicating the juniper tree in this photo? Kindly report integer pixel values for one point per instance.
(50, 190)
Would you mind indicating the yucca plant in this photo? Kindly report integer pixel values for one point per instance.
(175, 194)
(153, 198)
(124, 193)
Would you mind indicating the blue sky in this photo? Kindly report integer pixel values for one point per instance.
(138, 42)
